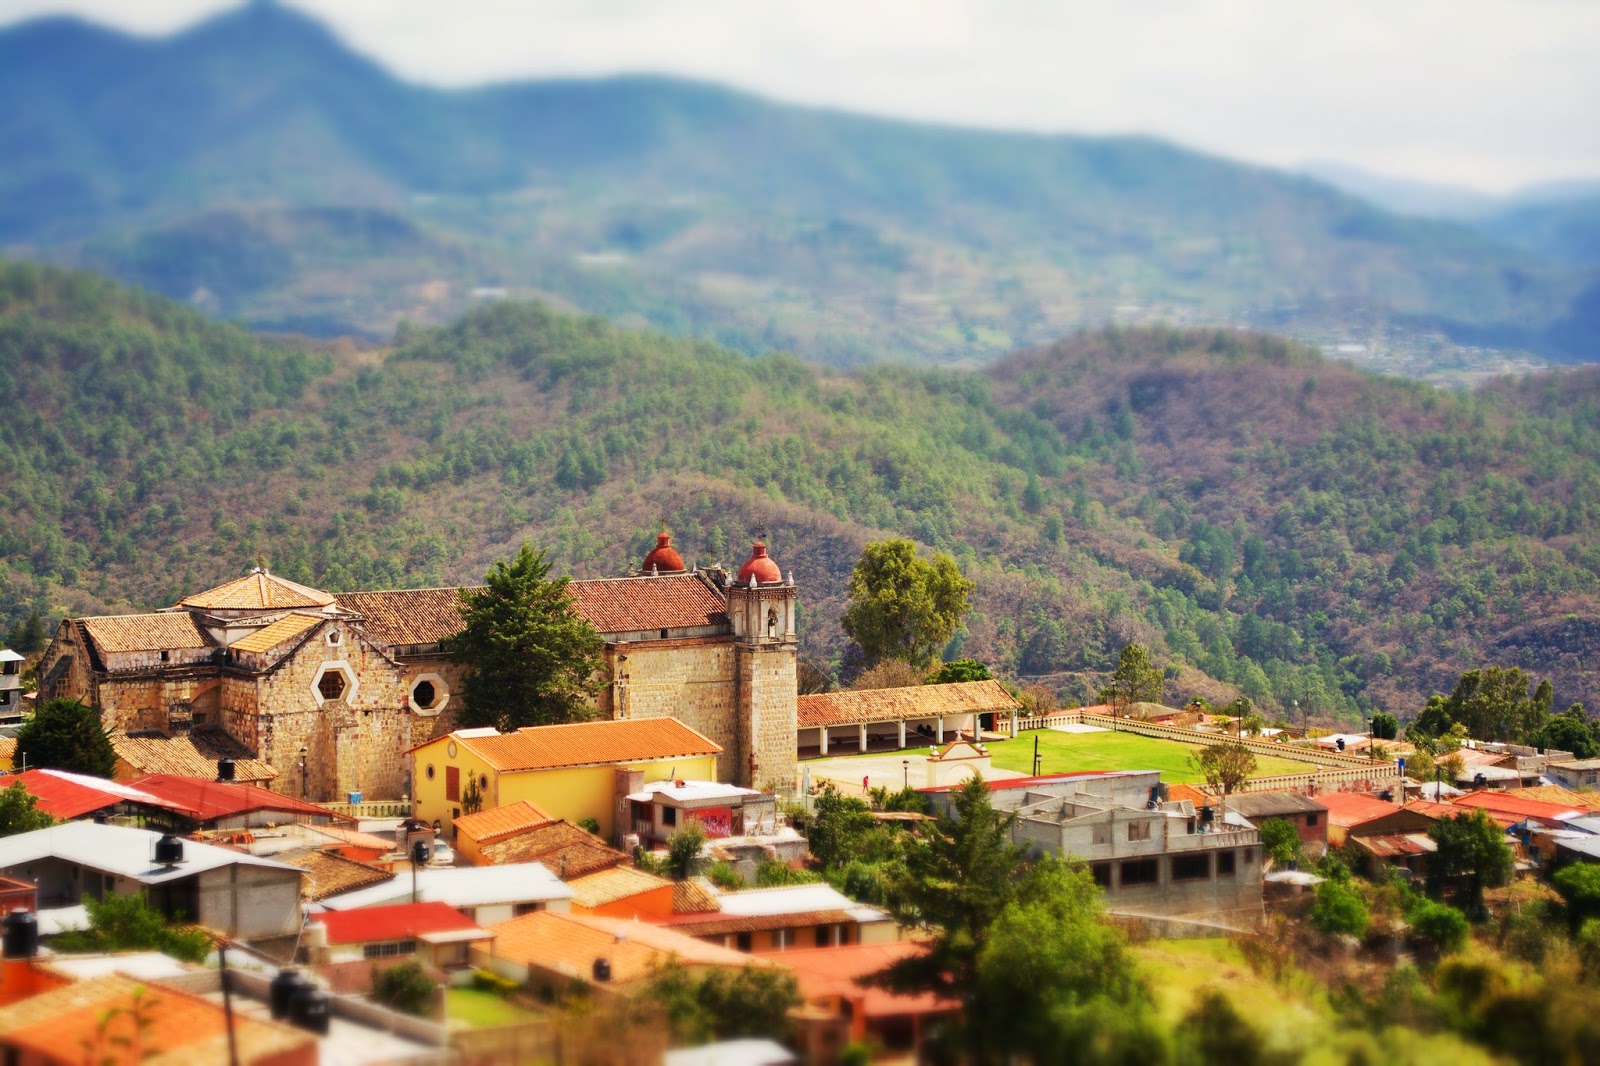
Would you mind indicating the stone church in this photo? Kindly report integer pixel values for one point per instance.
(332, 689)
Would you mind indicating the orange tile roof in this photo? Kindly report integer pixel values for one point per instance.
(408, 616)
(286, 628)
(8, 747)
(1349, 809)
(895, 704)
(569, 943)
(828, 972)
(1179, 791)
(192, 754)
(257, 591)
(145, 632)
(117, 1020)
(488, 826)
(549, 747)
(609, 886)
(395, 921)
(728, 924)
(561, 847)
(631, 604)
(327, 873)
(353, 837)
(694, 896)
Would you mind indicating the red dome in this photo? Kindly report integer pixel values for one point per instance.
(761, 565)
(664, 558)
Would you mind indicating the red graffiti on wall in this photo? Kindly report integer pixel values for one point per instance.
(717, 821)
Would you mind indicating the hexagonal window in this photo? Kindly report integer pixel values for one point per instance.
(429, 694)
(424, 694)
(332, 685)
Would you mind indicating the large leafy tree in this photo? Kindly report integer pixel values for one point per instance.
(1135, 680)
(960, 873)
(1571, 731)
(20, 813)
(1225, 766)
(530, 657)
(66, 735)
(903, 607)
(1494, 704)
(1470, 853)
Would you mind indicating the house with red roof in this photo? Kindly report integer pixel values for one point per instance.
(1519, 808)
(432, 932)
(831, 989)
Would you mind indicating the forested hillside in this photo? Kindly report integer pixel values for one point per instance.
(1259, 516)
(256, 166)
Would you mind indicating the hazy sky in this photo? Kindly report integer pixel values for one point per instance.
(1491, 94)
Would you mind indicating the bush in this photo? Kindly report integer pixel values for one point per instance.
(405, 987)
(683, 849)
(489, 981)
(772, 872)
(1439, 925)
(1339, 910)
(725, 876)
(1281, 841)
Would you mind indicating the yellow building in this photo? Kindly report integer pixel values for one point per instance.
(572, 772)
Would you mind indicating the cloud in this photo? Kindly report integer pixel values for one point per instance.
(1495, 93)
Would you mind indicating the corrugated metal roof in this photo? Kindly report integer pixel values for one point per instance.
(866, 706)
(569, 944)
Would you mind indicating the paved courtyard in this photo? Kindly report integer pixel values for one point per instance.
(880, 771)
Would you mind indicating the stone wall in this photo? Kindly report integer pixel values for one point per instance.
(769, 742)
(692, 680)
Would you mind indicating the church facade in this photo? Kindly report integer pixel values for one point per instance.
(332, 689)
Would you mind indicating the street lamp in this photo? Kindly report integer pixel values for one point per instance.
(304, 792)
(1372, 742)
(905, 780)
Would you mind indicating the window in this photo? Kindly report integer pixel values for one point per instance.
(388, 949)
(1311, 819)
(526, 908)
(1101, 872)
(824, 934)
(1191, 867)
(744, 941)
(424, 694)
(669, 816)
(772, 622)
(334, 637)
(1102, 834)
(166, 656)
(5, 697)
(1225, 863)
(663, 634)
(1140, 872)
(332, 685)
(429, 771)
(483, 782)
(1139, 830)
(452, 783)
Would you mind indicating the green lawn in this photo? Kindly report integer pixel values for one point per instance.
(472, 1008)
(1067, 752)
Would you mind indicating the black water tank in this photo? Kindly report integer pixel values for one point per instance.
(284, 987)
(419, 853)
(21, 935)
(1208, 814)
(224, 769)
(309, 1009)
(1340, 742)
(169, 850)
(602, 970)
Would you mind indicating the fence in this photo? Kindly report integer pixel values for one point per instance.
(400, 808)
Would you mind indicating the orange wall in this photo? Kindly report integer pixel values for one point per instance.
(652, 903)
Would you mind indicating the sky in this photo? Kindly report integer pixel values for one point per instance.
(1491, 95)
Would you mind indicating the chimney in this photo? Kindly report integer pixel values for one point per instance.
(224, 769)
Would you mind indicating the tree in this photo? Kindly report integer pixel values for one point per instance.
(1135, 680)
(66, 735)
(1385, 726)
(20, 813)
(1338, 909)
(530, 658)
(1439, 925)
(958, 670)
(961, 872)
(1470, 852)
(405, 987)
(889, 673)
(837, 826)
(1225, 766)
(723, 1004)
(1434, 721)
(1494, 704)
(1571, 731)
(27, 636)
(903, 607)
(1280, 840)
(1051, 966)
(1579, 885)
(684, 847)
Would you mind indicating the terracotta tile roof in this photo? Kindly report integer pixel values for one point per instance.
(895, 704)
(549, 747)
(207, 800)
(408, 616)
(694, 896)
(1518, 806)
(828, 972)
(328, 873)
(396, 921)
(1178, 791)
(192, 754)
(270, 636)
(497, 822)
(560, 847)
(1480, 757)
(729, 924)
(608, 886)
(353, 837)
(1566, 797)
(631, 604)
(169, 631)
(569, 944)
(257, 591)
(96, 1018)
(8, 747)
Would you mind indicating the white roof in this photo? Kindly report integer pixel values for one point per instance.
(461, 886)
(477, 731)
(144, 965)
(9, 656)
(689, 791)
(747, 1052)
(53, 920)
(793, 899)
(122, 851)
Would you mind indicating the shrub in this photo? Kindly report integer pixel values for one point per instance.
(725, 876)
(1439, 925)
(1339, 909)
(1281, 841)
(489, 981)
(405, 987)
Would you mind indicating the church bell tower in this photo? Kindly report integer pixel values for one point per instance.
(761, 606)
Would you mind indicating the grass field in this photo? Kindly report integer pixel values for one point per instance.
(473, 1008)
(1067, 752)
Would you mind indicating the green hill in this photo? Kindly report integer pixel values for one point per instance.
(848, 239)
(1259, 516)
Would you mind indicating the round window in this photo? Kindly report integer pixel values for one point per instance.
(429, 771)
(483, 780)
(450, 749)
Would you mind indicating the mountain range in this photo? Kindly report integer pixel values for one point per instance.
(257, 167)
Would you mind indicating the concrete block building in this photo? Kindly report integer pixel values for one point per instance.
(332, 690)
